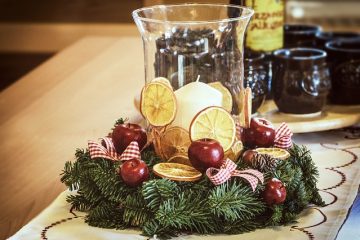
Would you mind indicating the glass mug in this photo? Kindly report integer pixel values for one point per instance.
(301, 80)
(256, 77)
(300, 35)
(182, 42)
(324, 37)
(344, 60)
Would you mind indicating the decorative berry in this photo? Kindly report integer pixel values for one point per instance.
(134, 172)
(260, 134)
(275, 192)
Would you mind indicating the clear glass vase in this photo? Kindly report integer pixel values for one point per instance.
(187, 41)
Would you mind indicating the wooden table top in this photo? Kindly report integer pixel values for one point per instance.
(75, 96)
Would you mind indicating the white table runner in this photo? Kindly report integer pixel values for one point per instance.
(336, 154)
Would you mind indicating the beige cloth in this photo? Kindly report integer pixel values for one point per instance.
(336, 154)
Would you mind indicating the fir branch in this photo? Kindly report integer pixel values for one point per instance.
(153, 228)
(82, 156)
(276, 217)
(70, 175)
(135, 211)
(289, 217)
(79, 202)
(157, 191)
(110, 184)
(91, 192)
(234, 202)
(301, 156)
(200, 187)
(72, 172)
(189, 213)
(106, 215)
(317, 199)
(166, 208)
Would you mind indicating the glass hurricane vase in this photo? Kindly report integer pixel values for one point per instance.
(186, 41)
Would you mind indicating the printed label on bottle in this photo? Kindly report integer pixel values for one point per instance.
(265, 31)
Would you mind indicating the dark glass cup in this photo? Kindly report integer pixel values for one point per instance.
(344, 62)
(256, 77)
(323, 37)
(301, 80)
(300, 35)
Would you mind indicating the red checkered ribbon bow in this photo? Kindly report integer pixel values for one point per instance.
(283, 137)
(228, 170)
(97, 150)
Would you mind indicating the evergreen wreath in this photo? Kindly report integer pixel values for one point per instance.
(169, 208)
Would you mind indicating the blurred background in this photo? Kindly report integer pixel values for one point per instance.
(32, 31)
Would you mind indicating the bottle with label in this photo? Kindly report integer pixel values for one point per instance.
(266, 29)
(265, 32)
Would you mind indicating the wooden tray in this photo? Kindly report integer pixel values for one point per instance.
(333, 117)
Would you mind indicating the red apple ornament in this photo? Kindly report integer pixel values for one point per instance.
(260, 134)
(248, 156)
(275, 192)
(124, 134)
(205, 153)
(134, 172)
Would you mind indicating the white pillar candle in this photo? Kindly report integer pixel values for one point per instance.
(191, 99)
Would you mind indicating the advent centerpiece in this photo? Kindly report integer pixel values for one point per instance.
(200, 165)
(215, 177)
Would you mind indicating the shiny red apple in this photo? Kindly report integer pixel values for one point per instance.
(248, 156)
(124, 134)
(260, 134)
(275, 192)
(205, 153)
(134, 172)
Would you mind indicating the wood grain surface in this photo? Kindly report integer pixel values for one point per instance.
(75, 96)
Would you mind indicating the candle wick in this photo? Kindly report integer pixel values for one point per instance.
(198, 78)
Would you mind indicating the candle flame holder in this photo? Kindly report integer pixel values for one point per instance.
(182, 42)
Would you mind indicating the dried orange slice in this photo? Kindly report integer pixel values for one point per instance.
(182, 159)
(158, 104)
(245, 101)
(163, 80)
(227, 102)
(174, 141)
(176, 172)
(215, 123)
(234, 152)
(278, 153)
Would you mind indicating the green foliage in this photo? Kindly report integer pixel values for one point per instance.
(299, 174)
(186, 212)
(154, 227)
(156, 191)
(167, 208)
(120, 121)
(233, 201)
(136, 213)
(106, 215)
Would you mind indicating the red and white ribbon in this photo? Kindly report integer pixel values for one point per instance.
(132, 151)
(108, 151)
(228, 170)
(283, 136)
